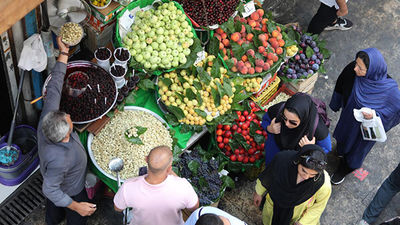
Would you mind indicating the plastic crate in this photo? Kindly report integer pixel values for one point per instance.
(267, 90)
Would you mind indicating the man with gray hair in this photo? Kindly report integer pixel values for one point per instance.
(62, 156)
(159, 196)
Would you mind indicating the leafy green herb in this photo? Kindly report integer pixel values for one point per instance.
(193, 166)
(176, 111)
(203, 76)
(190, 94)
(201, 113)
(165, 81)
(227, 87)
(309, 52)
(237, 50)
(171, 119)
(146, 84)
(135, 139)
(216, 97)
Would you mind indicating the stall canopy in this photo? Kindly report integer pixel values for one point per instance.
(13, 10)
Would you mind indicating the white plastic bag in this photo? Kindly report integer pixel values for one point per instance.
(33, 55)
(371, 129)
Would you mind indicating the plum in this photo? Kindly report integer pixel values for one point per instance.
(310, 71)
(303, 66)
(305, 61)
(315, 67)
(316, 49)
(320, 56)
(305, 74)
(303, 45)
(313, 44)
(317, 61)
(297, 57)
(290, 70)
(313, 57)
(302, 56)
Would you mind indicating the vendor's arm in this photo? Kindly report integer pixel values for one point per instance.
(192, 201)
(326, 143)
(54, 87)
(312, 214)
(52, 179)
(119, 199)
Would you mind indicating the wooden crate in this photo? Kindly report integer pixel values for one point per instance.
(305, 86)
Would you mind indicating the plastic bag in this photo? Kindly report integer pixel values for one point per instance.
(371, 129)
(33, 55)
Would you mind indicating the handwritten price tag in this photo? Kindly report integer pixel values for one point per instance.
(249, 8)
(127, 20)
(200, 56)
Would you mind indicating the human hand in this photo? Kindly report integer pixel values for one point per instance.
(85, 208)
(257, 199)
(297, 223)
(61, 45)
(305, 141)
(367, 116)
(274, 128)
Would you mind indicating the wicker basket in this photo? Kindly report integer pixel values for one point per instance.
(305, 86)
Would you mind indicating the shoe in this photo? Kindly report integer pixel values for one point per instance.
(337, 178)
(362, 222)
(340, 24)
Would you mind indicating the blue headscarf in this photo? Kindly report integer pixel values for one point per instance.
(376, 91)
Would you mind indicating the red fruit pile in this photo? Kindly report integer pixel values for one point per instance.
(249, 150)
(209, 12)
(267, 47)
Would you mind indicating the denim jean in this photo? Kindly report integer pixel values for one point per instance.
(389, 188)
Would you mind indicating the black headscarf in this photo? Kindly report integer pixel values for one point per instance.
(280, 178)
(305, 108)
(345, 82)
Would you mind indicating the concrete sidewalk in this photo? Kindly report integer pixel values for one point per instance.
(376, 24)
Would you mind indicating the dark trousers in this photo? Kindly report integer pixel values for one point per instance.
(325, 16)
(54, 214)
(389, 188)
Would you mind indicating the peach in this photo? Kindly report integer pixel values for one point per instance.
(224, 51)
(270, 55)
(252, 70)
(264, 21)
(234, 69)
(243, 29)
(243, 20)
(217, 36)
(265, 43)
(259, 62)
(264, 28)
(226, 57)
(219, 31)
(244, 58)
(281, 42)
(262, 37)
(252, 23)
(265, 54)
(261, 49)
(240, 64)
(279, 50)
(236, 18)
(247, 64)
(275, 33)
(240, 42)
(255, 16)
(221, 46)
(225, 42)
(243, 70)
(270, 62)
(224, 36)
(210, 63)
(259, 69)
(250, 52)
(266, 66)
(279, 36)
(234, 61)
(235, 36)
(260, 12)
(275, 58)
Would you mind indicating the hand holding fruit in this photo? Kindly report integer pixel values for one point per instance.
(274, 128)
(257, 199)
(304, 141)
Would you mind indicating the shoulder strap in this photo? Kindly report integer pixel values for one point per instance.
(315, 124)
(198, 216)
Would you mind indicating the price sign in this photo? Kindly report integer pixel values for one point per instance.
(127, 20)
(249, 8)
(200, 56)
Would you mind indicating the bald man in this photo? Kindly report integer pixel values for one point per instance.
(159, 196)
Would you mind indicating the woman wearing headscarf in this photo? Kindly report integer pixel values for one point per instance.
(293, 124)
(297, 186)
(362, 83)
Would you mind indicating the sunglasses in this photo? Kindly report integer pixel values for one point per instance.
(318, 163)
(284, 118)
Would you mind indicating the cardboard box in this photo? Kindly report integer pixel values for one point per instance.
(98, 25)
(108, 14)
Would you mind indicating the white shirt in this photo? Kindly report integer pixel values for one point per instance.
(208, 209)
(330, 3)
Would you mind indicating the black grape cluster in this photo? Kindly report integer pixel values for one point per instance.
(207, 182)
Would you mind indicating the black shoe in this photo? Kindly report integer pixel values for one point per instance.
(340, 24)
(337, 178)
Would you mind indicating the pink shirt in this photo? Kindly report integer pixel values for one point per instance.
(156, 204)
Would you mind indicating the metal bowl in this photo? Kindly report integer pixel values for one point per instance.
(91, 136)
(77, 65)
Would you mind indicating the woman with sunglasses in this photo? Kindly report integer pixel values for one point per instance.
(293, 124)
(362, 83)
(297, 186)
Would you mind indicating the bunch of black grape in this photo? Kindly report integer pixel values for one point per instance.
(206, 181)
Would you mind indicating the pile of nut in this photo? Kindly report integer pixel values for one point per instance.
(111, 141)
(71, 33)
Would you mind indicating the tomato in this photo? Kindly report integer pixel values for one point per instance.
(253, 144)
(227, 127)
(241, 151)
(248, 142)
(245, 113)
(239, 130)
(246, 159)
(238, 113)
(240, 158)
(219, 126)
(228, 148)
(258, 132)
(264, 133)
(220, 132)
(247, 137)
(234, 127)
(257, 156)
(219, 139)
(221, 145)
(252, 159)
(251, 151)
(227, 153)
(245, 126)
(237, 151)
(228, 133)
(242, 118)
(262, 145)
(226, 140)
(233, 158)
(249, 118)
(251, 140)
(245, 132)
(252, 104)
